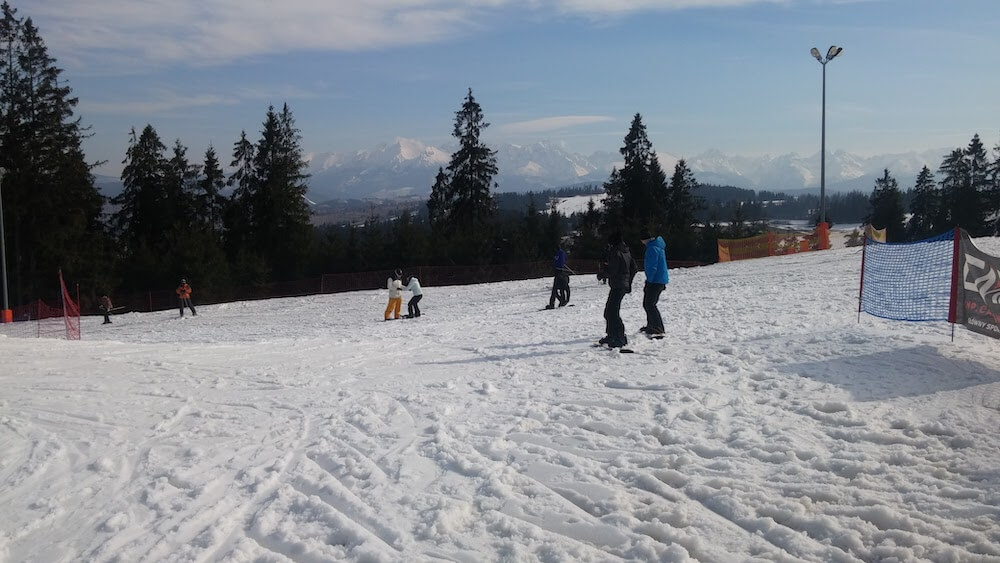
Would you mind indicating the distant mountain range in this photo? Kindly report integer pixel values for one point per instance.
(406, 168)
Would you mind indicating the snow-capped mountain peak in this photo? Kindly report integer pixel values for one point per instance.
(408, 166)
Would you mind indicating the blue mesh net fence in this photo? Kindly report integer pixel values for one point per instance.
(908, 281)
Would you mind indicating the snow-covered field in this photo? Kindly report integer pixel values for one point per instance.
(769, 425)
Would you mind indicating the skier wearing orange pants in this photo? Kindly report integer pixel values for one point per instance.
(395, 287)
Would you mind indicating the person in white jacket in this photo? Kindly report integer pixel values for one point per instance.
(395, 287)
(413, 286)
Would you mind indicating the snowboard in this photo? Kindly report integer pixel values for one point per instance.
(621, 350)
(554, 308)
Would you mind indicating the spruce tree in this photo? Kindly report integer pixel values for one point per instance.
(636, 196)
(461, 204)
(925, 207)
(964, 188)
(588, 242)
(682, 214)
(144, 223)
(887, 210)
(281, 228)
(211, 204)
(51, 206)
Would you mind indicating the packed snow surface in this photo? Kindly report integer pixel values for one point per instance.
(769, 425)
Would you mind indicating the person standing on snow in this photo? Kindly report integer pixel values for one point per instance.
(560, 281)
(184, 293)
(105, 308)
(413, 286)
(657, 278)
(395, 288)
(621, 268)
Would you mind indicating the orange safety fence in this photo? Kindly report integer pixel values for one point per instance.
(774, 243)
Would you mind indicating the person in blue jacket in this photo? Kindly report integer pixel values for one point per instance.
(560, 280)
(657, 279)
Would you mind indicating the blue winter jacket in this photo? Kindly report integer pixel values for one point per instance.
(656, 262)
(559, 260)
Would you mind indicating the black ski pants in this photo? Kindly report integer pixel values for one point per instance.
(613, 318)
(560, 289)
(186, 301)
(411, 306)
(650, 296)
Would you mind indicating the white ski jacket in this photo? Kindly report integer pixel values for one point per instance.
(414, 286)
(395, 288)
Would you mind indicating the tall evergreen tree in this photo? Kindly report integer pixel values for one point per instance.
(282, 231)
(964, 187)
(145, 222)
(588, 243)
(887, 208)
(180, 185)
(925, 207)
(211, 204)
(682, 213)
(51, 206)
(462, 205)
(637, 194)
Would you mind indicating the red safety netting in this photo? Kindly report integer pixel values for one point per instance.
(38, 319)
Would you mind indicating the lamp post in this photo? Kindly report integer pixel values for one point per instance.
(831, 53)
(6, 315)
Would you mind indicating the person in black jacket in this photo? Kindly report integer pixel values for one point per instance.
(620, 271)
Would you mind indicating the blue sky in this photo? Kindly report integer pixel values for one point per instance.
(733, 75)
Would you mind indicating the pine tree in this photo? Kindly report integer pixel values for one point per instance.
(211, 204)
(180, 184)
(887, 208)
(282, 231)
(144, 222)
(925, 207)
(461, 204)
(682, 213)
(51, 206)
(636, 196)
(965, 188)
(588, 243)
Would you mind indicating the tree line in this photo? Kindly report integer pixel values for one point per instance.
(240, 218)
(967, 195)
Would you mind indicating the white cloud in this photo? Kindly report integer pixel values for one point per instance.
(556, 123)
(164, 101)
(218, 31)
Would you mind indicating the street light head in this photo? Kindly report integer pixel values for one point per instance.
(833, 52)
(815, 53)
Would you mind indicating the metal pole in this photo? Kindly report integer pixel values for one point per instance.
(3, 246)
(822, 155)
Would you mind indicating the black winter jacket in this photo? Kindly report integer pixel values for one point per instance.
(621, 268)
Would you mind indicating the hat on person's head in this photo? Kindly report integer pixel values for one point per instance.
(615, 237)
(399, 273)
(645, 234)
(183, 280)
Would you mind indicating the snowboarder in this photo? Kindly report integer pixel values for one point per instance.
(560, 281)
(105, 308)
(413, 286)
(395, 287)
(184, 293)
(621, 269)
(657, 278)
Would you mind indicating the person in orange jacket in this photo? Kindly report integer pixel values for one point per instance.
(184, 292)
